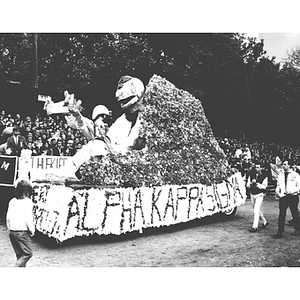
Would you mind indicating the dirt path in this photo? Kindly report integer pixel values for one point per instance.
(210, 242)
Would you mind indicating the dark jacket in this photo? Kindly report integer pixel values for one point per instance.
(259, 178)
(16, 148)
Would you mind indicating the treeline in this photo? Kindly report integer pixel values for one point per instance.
(244, 92)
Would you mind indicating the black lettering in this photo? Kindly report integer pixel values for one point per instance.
(210, 199)
(40, 217)
(55, 223)
(73, 204)
(40, 193)
(170, 203)
(62, 161)
(126, 210)
(108, 203)
(225, 195)
(191, 197)
(138, 205)
(40, 162)
(154, 206)
(85, 195)
(49, 162)
(200, 200)
(180, 197)
(216, 198)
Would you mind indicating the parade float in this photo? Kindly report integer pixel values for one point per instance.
(179, 174)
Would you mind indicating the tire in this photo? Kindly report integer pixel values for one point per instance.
(230, 212)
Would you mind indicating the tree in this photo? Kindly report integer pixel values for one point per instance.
(16, 57)
(230, 73)
(293, 59)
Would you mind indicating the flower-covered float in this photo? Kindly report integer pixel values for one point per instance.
(178, 174)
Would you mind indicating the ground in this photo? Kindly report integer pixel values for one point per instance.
(210, 242)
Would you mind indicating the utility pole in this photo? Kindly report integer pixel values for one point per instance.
(250, 104)
(35, 81)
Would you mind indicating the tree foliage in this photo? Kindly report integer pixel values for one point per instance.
(241, 89)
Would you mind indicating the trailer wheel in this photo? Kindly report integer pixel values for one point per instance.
(230, 212)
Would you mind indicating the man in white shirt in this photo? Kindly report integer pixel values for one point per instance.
(287, 190)
(238, 153)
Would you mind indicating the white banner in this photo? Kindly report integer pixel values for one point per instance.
(40, 165)
(63, 213)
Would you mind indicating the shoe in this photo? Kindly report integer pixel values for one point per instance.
(296, 233)
(253, 230)
(277, 235)
(290, 223)
(265, 225)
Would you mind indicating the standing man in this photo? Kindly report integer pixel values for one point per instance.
(257, 183)
(16, 143)
(287, 190)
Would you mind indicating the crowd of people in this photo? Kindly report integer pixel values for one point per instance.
(241, 154)
(51, 135)
(265, 152)
(48, 135)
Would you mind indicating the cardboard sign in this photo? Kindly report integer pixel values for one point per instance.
(8, 170)
(45, 162)
(40, 166)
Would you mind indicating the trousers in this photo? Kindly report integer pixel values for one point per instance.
(256, 203)
(92, 149)
(21, 243)
(290, 201)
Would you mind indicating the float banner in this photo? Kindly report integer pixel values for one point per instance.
(41, 165)
(63, 212)
(8, 170)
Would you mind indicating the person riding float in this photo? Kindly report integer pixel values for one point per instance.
(124, 132)
(122, 136)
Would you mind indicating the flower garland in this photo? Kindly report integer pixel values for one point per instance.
(180, 145)
(63, 213)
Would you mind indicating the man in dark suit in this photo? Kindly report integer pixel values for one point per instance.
(16, 143)
(53, 148)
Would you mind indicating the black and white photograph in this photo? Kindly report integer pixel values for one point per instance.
(143, 148)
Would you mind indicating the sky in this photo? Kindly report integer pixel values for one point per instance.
(279, 44)
(274, 22)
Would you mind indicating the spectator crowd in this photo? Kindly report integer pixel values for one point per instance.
(49, 135)
(241, 153)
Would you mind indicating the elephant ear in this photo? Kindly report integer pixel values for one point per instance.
(73, 104)
(69, 98)
(66, 94)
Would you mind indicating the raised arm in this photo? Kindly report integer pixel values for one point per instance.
(71, 108)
